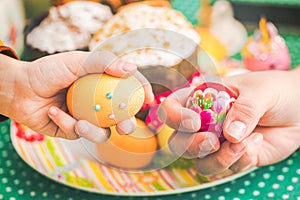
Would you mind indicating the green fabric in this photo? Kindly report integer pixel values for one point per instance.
(278, 181)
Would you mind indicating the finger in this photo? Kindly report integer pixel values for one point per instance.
(149, 96)
(105, 61)
(197, 145)
(127, 126)
(91, 132)
(173, 112)
(246, 111)
(221, 160)
(250, 158)
(65, 123)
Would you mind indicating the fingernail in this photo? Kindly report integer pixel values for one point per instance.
(127, 127)
(207, 147)
(237, 130)
(82, 129)
(188, 124)
(53, 111)
(126, 66)
(237, 147)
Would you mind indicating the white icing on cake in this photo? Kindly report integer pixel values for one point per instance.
(69, 27)
(148, 35)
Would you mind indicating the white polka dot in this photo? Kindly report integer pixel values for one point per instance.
(12, 172)
(271, 194)
(4, 180)
(207, 196)
(32, 193)
(295, 179)
(236, 198)
(289, 161)
(70, 198)
(12, 198)
(16, 181)
(256, 193)
(227, 189)
(1, 171)
(280, 177)
(28, 182)
(1, 196)
(290, 188)
(1, 144)
(8, 189)
(285, 196)
(285, 169)
(193, 195)
(266, 176)
(261, 184)
(20, 191)
(275, 186)
(271, 168)
(247, 183)
(45, 194)
(221, 198)
(4, 154)
(242, 191)
(253, 174)
(298, 171)
(8, 163)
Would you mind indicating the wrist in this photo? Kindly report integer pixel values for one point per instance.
(8, 67)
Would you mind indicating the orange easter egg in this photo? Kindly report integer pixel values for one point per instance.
(105, 100)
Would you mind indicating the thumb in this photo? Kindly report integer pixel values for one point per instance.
(245, 114)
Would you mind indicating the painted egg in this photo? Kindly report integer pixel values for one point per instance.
(212, 101)
(133, 151)
(105, 100)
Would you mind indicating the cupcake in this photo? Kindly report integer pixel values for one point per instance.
(266, 49)
(157, 38)
(64, 28)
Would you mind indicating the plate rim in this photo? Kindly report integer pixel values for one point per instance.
(129, 194)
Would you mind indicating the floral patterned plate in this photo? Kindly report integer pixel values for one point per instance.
(69, 163)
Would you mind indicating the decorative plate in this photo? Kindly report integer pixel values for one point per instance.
(69, 163)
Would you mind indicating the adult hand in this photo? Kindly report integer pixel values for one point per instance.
(262, 127)
(40, 88)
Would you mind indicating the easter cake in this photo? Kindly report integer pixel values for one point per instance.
(157, 38)
(64, 28)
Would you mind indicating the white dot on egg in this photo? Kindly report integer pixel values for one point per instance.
(45, 194)
(271, 168)
(236, 198)
(227, 189)
(193, 195)
(298, 171)
(207, 196)
(1, 196)
(12, 198)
